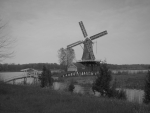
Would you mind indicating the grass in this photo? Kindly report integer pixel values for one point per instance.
(31, 99)
(131, 81)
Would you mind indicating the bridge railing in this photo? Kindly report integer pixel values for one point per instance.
(25, 74)
(84, 73)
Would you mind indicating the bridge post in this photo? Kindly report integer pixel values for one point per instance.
(25, 80)
(13, 81)
(34, 80)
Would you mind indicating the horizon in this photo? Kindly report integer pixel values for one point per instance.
(41, 28)
(73, 62)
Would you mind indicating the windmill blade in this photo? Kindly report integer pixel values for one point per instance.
(98, 35)
(83, 29)
(74, 44)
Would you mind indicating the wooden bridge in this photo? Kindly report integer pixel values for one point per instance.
(13, 79)
(28, 73)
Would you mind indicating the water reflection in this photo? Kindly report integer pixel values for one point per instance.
(134, 95)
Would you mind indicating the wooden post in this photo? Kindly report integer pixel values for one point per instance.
(25, 80)
(13, 81)
(67, 61)
(34, 80)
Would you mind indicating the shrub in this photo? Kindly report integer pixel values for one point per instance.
(71, 86)
(147, 89)
(119, 94)
(102, 83)
(46, 77)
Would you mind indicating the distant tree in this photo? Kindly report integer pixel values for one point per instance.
(147, 89)
(102, 83)
(5, 43)
(62, 56)
(46, 77)
(66, 56)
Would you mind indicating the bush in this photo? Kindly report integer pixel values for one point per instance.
(102, 83)
(46, 77)
(71, 86)
(147, 89)
(119, 94)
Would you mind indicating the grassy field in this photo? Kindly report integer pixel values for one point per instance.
(131, 81)
(31, 99)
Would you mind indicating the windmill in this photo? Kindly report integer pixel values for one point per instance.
(88, 58)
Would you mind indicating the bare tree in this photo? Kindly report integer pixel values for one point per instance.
(66, 56)
(70, 55)
(62, 56)
(6, 43)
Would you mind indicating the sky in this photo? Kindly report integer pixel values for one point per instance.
(42, 27)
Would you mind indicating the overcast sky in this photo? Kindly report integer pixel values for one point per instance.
(42, 27)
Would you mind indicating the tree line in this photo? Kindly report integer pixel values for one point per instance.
(18, 67)
(129, 66)
(39, 66)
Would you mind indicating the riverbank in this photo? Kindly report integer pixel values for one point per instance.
(31, 99)
(127, 81)
(130, 81)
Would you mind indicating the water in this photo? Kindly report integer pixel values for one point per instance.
(59, 86)
(133, 95)
(129, 71)
(4, 76)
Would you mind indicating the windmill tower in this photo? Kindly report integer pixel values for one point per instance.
(88, 58)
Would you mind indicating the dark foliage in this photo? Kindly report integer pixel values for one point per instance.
(37, 66)
(114, 93)
(119, 94)
(147, 89)
(46, 77)
(102, 83)
(71, 87)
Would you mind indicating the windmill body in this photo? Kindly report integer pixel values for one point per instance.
(88, 58)
(88, 50)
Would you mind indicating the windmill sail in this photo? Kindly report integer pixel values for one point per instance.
(74, 44)
(98, 35)
(83, 29)
(88, 54)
